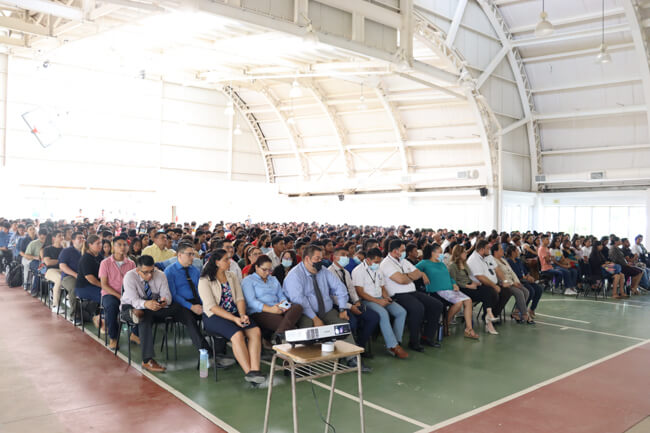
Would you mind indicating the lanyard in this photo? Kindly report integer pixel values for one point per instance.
(397, 263)
(374, 280)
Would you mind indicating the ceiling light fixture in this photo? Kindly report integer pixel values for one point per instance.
(296, 90)
(603, 56)
(544, 26)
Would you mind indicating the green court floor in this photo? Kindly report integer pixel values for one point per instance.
(410, 395)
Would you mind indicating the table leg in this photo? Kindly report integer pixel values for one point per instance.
(363, 428)
(329, 405)
(268, 395)
(293, 396)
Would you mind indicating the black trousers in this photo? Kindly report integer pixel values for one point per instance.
(179, 314)
(420, 308)
(483, 294)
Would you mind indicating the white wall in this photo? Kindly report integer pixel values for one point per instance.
(130, 145)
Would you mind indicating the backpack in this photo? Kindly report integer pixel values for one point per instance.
(15, 275)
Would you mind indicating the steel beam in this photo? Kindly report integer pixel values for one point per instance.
(558, 22)
(398, 128)
(587, 85)
(568, 36)
(47, 7)
(491, 67)
(455, 23)
(576, 53)
(594, 113)
(23, 26)
(595, 149)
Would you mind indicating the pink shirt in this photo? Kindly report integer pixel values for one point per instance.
(542, 253)
(115, 274)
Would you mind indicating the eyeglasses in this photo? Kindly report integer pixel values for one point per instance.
(147, 272)
(265, 269)
(190, 253)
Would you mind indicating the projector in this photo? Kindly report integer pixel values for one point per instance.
(318, 334)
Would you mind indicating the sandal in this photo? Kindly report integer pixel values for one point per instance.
(469, 333)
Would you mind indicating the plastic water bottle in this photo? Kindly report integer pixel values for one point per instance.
(203, 363)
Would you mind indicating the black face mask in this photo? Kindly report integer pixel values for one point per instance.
(318, 266)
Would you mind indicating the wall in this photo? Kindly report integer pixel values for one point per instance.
(152, 142)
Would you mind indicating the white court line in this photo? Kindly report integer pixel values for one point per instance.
(365, 402)
(182, 397)
(623, 304)
(510, 397)
(562, 318)
(372, 405)
(589, 330)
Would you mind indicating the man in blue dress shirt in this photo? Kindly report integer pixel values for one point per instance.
(183, 281)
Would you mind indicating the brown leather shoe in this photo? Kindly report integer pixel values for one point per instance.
(112, 344)
(135, 339)
(153, 366)
(399, 352)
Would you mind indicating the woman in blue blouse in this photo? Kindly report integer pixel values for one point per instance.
(265, 300)
(443, 286)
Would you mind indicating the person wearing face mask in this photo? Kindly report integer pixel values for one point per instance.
(443, 286)
(265, 301)
(277, 247)
(356, 259)
(364, 320)
(287, 263)
(313, 287)
(422, 309)
(370, 286)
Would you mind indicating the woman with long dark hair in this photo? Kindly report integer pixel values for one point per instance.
(88, 285)
(603, 268)
(287, 263)
(224, 313)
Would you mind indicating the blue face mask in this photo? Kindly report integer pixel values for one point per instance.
(287, 263)
(356, 260)
(343, 261)
(441, 257)
(374, 266)
(265, 250)
(403, 255)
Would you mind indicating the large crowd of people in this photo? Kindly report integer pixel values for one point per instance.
(249, 283)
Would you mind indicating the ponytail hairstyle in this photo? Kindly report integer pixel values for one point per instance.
(90, 240)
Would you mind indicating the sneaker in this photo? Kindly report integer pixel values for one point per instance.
(153, 366)
(54, 309)
(254, 376)
(398, 352)
(570, 292)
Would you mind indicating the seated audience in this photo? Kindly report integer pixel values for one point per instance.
(111, 277)
(443, 286)
(552, 264)
(362, 320)
(183, 281)
(88, 287)
(601, 268)
(251, 257)
(287, 263)
(508, 278)
(225, 314)
(51, 259)
(265, 301)
(371, 287)
(535, 290)
(158, 250)
(616, 256)
(422, 310)
(312, 286)
(277, 247)
(147, 299)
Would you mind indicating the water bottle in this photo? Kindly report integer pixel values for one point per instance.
(203, 363)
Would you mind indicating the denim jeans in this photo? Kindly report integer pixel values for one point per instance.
(392, 335)
(111, 310)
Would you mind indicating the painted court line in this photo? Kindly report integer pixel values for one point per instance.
(528, 390)
(562, 318)
(365, 402)
(591, 331)
(372, 405)
(622, 304)
(182, 397)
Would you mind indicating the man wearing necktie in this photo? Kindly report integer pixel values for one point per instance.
(147, 299)
(312, 286)
(183, 280)
(360, 317)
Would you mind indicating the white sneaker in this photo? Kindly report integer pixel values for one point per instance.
(570, 292)
(54, 309)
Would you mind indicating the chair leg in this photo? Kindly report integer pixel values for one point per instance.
(214, 357)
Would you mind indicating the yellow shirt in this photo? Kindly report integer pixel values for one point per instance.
(158, 254)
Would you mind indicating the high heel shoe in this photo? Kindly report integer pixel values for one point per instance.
(516, 319)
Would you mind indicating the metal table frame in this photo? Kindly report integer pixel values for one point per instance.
(302, 370)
